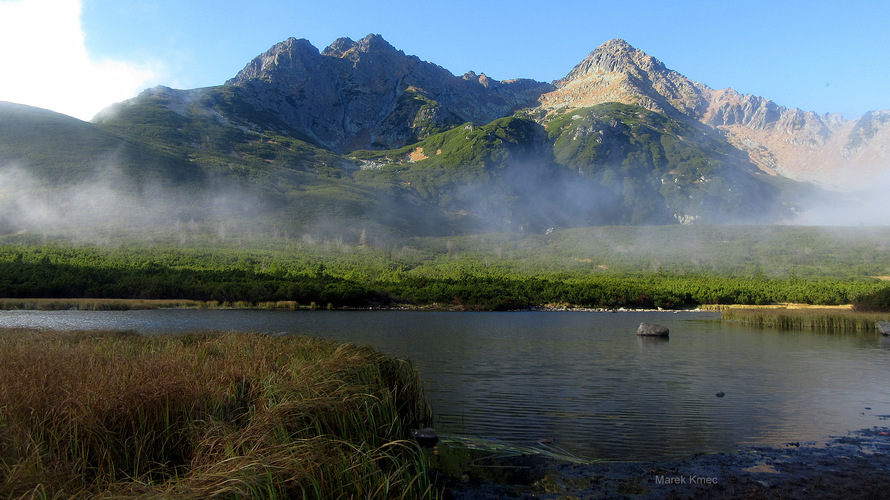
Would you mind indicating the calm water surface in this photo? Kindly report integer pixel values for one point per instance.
(585, 380)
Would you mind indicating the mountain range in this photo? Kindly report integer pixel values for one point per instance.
(360, 138)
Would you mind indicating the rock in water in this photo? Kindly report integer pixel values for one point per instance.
(426, 438)
(884, 328)
(652, 330)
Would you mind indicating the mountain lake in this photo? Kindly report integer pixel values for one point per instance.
(584, 382)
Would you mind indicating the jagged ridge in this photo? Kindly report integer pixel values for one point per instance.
(366, 94)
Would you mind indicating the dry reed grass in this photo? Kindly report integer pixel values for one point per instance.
(802, 316)
(115, 414)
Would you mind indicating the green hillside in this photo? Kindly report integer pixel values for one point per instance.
(665, 170)
(58, 150)
(60, 173)
(186, 165)
(609, 164)
(210, 157)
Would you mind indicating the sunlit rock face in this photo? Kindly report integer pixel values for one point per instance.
(802, 145)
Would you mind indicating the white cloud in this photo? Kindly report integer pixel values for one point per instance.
(45, 62)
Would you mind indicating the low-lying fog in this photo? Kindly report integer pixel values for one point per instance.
(107, 200)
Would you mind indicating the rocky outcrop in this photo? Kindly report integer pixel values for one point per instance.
(367, 94)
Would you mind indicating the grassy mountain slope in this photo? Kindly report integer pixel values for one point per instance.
(608, 164)
(662, 168)
(62, 173)
(301, 187)
(58, 150)
(208, 155)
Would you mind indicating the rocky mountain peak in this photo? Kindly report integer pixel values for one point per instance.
(482, 79)
(289, 58)
(615, 56)
(371, 44)
(375, 43)
(618, 72)
(787, 141)
(368, 94)
(289, 61)
(339, 47)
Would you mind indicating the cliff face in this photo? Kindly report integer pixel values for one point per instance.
(802, 145)
(366, 94)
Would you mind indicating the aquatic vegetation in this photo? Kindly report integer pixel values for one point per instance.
(206, 415)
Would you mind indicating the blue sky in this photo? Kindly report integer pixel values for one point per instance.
(77, 56)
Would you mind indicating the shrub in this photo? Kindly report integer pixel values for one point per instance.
(878, 301)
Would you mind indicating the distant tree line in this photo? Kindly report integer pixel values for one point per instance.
(44, 278)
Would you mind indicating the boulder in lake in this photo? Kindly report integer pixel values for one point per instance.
(652, 330)
(884, 328)
(426, 438)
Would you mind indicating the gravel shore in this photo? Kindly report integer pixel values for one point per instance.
(852, 466)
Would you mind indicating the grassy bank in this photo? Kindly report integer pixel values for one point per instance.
(86, 414)
(798, 316)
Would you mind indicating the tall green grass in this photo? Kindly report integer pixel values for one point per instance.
(206, 415)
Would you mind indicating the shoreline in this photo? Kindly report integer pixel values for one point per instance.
(74, 302)
(851, 466)
(51, 304)
(781, 316)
